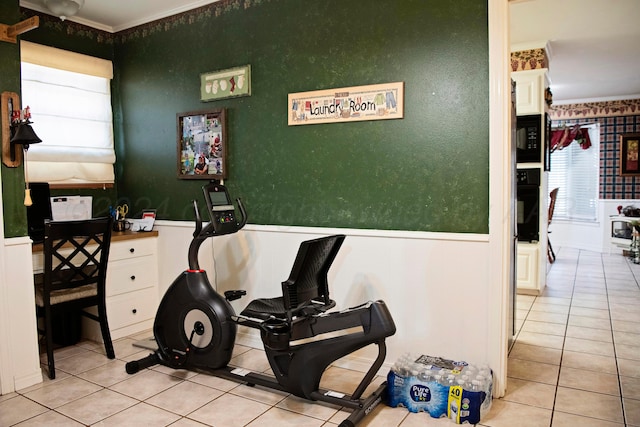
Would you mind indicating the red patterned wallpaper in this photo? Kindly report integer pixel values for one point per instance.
(629, 107)
(530, 59)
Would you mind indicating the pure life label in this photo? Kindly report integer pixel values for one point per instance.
(420, 393)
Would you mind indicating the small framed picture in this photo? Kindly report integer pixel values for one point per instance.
(229, 83)
(629, 149)
(202, 144)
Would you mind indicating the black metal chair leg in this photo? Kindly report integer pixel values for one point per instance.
(49, 342)
(101, 318)
(106, 335)
(550, 254)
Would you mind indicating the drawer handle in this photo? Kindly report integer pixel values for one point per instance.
(134, 311)
(133, 277)
(132, 250)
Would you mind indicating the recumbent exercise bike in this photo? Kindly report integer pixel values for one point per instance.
(195, 327)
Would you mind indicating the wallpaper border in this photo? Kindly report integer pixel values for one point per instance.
(189, 17)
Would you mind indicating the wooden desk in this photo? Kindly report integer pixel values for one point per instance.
(116, 236)
(132, 283)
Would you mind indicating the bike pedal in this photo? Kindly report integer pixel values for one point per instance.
(179, 357)
(234, 295)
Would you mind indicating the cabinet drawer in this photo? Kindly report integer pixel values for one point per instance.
(130, 308)
(131, 274)
(122, 250)
(132, 248)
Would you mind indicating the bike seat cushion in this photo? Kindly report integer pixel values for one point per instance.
(265, 308)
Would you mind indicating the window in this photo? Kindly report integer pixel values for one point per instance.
(575, 172)
(70, 99)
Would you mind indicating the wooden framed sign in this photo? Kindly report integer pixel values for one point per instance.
(629, 153)
(350, 104)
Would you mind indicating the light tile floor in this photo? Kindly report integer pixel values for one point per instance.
(575, 362)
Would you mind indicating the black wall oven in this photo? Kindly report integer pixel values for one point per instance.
(528, 194)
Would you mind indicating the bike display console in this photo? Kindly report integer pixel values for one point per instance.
(220, 209)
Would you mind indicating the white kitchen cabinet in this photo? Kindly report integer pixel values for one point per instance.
(528, 268)
(530, 89)
(531, 265)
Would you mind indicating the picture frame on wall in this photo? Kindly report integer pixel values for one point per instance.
(629, 151)
(229, 83)
(202, 144)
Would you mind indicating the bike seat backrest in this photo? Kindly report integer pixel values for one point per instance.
(308, 278)
(306, 291)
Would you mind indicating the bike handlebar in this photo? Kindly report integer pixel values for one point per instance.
(201, 233)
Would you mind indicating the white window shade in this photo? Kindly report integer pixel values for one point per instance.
(72, 115)
(576, 173)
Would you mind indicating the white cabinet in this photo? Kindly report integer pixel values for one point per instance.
(531, 263)
(527, 268)
(530, 88)
(132, 287)
(132, 284)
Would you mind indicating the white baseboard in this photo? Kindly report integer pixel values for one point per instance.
(28, 380)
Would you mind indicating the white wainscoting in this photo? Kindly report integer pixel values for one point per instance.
(435, 284)
(20, 364)
(593, 236)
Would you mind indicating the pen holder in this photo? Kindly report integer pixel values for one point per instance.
(121, 225)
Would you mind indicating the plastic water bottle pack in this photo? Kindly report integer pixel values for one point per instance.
(441, 387)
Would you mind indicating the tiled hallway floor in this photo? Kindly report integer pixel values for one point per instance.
(575, 362)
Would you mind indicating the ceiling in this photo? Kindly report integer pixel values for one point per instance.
(118, 15)
(594, 45)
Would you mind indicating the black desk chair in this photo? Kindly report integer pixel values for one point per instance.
(74, 276)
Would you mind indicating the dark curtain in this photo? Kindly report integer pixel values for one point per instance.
(561, 138)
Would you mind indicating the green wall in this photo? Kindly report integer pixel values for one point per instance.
(63, 35)
(14, 212)
(428, 171)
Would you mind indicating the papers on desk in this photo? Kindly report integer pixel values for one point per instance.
(146, 223)
(69, 208)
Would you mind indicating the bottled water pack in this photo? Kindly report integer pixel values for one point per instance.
(441, 387)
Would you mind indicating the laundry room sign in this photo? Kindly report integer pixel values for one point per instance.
(373, 102)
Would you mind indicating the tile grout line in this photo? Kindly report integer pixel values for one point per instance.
(613, 339)
(76, 375)
(564, 338)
